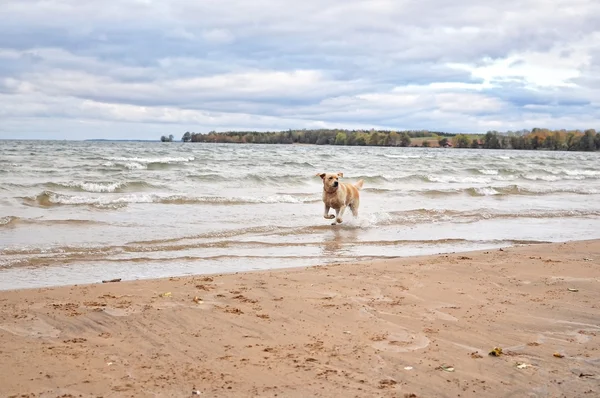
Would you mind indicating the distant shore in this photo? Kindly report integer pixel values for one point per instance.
(537, 138)
(406, 327)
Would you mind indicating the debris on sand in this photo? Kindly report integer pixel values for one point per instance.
(112, 280)
(496, 352)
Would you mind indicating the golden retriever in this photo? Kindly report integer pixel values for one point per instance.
(338, 195)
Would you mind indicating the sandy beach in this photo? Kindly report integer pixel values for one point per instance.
(406, 327)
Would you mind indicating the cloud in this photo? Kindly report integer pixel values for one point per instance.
(135, 68)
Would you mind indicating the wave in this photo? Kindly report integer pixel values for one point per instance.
(13, 221)
(482, 176)
(98, 187)
(137, 163)
(8, 221)
(166, 159)
(440, 215)
(257, 179)
(208, 177)
(375, 178)
(491, 172)
(51, 199)
(584, 173)
(536, 173)
(299, 164)
(506, 190)
(402, 156)
(31, 257)
(456, 179)
(126, 165)
(94, 187)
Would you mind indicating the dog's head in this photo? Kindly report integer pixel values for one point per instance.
(330, 181)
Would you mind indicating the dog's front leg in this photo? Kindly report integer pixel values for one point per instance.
(339, 214)
(326, 214)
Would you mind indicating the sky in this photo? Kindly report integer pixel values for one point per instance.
(138, 69)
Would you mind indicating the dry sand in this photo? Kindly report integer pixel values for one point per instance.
(365, 330)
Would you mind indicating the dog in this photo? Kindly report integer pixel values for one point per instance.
(338, 195)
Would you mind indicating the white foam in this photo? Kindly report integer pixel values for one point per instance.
(101, 201)
(155, 198)
(96, 187)
(127, 165)
(556, 177)
(536, 177)
(166, 159)
(457, 179)
(586, 173)
(402, 156)
(490, 172)
(486, 191)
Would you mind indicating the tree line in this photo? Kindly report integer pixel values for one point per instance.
(537, 138)
(316, 137)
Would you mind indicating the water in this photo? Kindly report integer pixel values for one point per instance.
(78, 212)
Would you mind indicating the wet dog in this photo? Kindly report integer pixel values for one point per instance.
(338, 195)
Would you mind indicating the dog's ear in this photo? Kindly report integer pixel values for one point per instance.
(340, 175)
(322, 175)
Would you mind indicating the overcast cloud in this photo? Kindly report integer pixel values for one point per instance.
(73, 69)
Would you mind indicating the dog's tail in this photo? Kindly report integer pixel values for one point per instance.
(359, 184)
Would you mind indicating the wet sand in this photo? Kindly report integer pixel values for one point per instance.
(408, 327)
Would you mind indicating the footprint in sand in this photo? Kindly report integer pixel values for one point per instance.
(398, 340)
(402, 341)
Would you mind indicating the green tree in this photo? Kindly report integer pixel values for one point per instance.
(587, 142)
(559, 141)
(374, 138)
(475, 143)
(187, 137)
(322, 140)
(405, 140)
(341, 139)
(361, 141)
(426, 144)
(443, 142)
(351, 138)
(462, 141)
(490, 140)
(572, 141)
(394, 138)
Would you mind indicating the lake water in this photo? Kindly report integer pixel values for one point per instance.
(78, 212)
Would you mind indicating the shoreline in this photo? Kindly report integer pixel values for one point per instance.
(418, 325)
(362, 260)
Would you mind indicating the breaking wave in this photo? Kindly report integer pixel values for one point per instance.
(166, 159)
(94, 187)
(98, 187)
(507, 190)
(50, 199)
(258, 179)
(137, 163)
(8, 221)
(12, 221)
